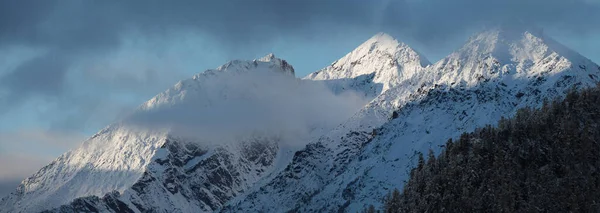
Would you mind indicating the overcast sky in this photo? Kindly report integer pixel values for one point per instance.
(70, 67)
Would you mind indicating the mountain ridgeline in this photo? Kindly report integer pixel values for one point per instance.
(541, 160)
(493, 75)
(249, 136)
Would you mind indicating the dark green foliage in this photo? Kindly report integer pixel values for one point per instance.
(392, 202)
(545, 160)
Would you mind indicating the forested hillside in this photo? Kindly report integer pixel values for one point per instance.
(541, 160)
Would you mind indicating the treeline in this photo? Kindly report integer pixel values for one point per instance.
(543, 160)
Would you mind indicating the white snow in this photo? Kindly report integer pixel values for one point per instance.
(224, 111)
(385, 58)
(492, 75)
(357, 152)
(113, 159)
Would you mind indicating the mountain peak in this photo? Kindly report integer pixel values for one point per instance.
(509, 43)
(384, 43)
(515, 42)
(268, 63)
(383, 38)
(508, 33)
(267, 57)
(381, 60)
(509, 51)
(143, 169)
(280, 64)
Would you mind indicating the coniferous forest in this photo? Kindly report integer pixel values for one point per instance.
(541, 160)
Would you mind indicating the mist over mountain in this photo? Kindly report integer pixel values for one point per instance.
(495, 73)
(249, 136)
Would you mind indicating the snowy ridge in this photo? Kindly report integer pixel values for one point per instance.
(494, 74)
(235, 67)
(375, 66)
(162, 158)
(114, 159)
(144, 167)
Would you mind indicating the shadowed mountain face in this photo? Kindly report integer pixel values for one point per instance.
(363, 118)
(543, 160)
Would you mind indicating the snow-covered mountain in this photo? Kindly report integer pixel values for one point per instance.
(492, 75)
(192, 147)
(235, 137)
(375, 66)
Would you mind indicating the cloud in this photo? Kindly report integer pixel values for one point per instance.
(98, 24)
(447, 17)
(88, 62)
(232, 105)
(92, 60)
(41, 75)
(92, 25)
(73, 31)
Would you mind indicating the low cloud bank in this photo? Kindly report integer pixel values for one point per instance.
(230, 106)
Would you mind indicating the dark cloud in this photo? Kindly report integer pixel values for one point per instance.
(18, 19)
(70, 31)
(45, 73)
(98, 24)
(432, 18)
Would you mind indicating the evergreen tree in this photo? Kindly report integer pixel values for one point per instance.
(392, 202)
(544, 160)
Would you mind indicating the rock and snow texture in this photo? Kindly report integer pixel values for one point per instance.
(192, 147)
(114, 159)
(492, 75)
(211, 141)
(375, 66)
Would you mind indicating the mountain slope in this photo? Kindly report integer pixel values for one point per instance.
(197, 161)
(113, 159)
(192, 147)
(230, 136)
(543, 160)
(495, 73)
(375, 66)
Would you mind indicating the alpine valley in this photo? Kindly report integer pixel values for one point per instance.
(369, 115)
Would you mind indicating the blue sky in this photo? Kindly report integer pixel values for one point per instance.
(69, 68)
